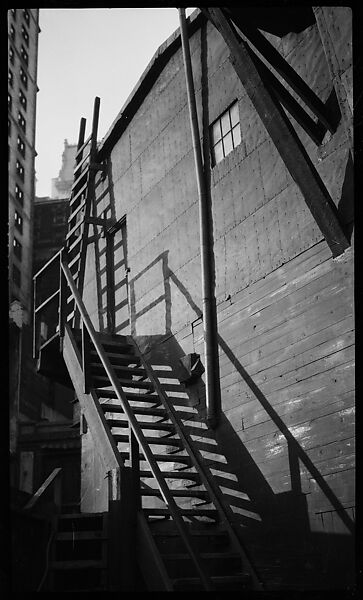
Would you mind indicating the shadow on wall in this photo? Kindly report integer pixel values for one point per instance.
(275, 527)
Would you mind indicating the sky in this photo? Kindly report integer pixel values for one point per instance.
(84, 53)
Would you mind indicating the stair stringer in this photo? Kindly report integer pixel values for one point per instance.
(107, 448)
(219, 502)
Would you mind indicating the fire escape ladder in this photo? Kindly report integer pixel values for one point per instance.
(81, 206)
(141, 438)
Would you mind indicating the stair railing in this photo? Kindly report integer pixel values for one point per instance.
(89, 331)
(53, 481)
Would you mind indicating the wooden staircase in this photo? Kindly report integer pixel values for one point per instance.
(186, 537)
(79, 561)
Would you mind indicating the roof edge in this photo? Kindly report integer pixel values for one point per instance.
(145, 83)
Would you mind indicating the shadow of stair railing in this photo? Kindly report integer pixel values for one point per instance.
(275, 526)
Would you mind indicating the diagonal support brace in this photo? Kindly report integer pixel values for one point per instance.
(283, 136)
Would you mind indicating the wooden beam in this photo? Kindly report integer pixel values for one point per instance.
(315, 130)
(288, 73)
(320, 13)
(284, 137)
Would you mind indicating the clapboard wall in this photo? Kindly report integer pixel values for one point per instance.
(284, 305)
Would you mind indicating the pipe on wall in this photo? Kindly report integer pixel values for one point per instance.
(209, 310)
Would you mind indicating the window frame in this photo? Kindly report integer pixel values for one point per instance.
(21, 146)
(225, 133)
(25, 34)
(23, 99)
(10, 78)
(23, 78)
(24, 55)
(26, 16)
(19, 194)
(22, 121)
(20, 171)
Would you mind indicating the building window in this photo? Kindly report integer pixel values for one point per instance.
(12, 32)
(11, 55)
(20, 170)
(18, 221)
(26, 16)
(10, 78)
(225, 133)
(16, 276)
(25, 35)
(13, 12)
(22, 121)
(24, 55)
(22, 99)
(9, 128)
(19, 194)
(23, 78)
(21, 146)
(17, 248)
(10, 102)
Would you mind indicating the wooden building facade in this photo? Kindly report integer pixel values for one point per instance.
(280, 191)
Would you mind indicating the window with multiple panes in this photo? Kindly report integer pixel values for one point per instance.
(26, 16)
(22, 121)
(25, 35)
(20, 169)
(23, 77)
(22, 99)
(11, 55)
(19, 194)
(16, 276)
(18, 221)
(225, 133)
(21, 146)
(24, 55)
(18, 250)
(12, 32)
(10, 78)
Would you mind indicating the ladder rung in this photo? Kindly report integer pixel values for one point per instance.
(74, 260)
(83, 160)
(77, 194)
(74, 244)
(76, 210)
(77, 181)
(81, 148)
(71, 232)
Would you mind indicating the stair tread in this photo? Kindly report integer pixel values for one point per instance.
(204, 555)
(162, 457)
(80, 535)
(79, 564)
(184, 511)
(143, 424)
(101, 393)
(238, 577)
(124, 382)
(172, 475)
(81, 515)
(159, 441)
(123, 368)
(141, 410)
(177, 492)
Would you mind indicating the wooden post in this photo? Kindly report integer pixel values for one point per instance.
(135, 469)
(86, 367)
(122, 531)
(283, 136)
(62, 303)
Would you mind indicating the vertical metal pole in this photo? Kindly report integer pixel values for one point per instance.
(209, 312)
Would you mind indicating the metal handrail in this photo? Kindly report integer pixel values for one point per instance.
(134, 425)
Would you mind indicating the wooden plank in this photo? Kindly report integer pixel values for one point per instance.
(315, 130)
(90, 406)
(284, 137)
